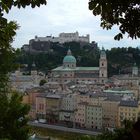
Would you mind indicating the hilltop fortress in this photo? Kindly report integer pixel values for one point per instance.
(65, 37)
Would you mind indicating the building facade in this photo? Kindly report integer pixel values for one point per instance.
(110, 112)
(93, 117)
(128, 110)
(20, 82)
(69, 72)
(65, 37)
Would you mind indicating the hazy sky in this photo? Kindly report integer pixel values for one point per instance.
(63, 16)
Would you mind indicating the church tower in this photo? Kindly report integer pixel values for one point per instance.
(103, 67)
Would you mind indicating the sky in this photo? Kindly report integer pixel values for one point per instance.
(64, 16)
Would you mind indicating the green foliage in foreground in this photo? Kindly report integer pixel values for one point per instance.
(13, 119)
(123, 13)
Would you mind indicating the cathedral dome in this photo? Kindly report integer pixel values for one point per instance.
(69, 58)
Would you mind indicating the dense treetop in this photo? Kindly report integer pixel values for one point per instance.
(6, 5)
(13, 114)
(123, 13)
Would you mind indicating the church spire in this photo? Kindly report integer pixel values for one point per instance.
(69, 52)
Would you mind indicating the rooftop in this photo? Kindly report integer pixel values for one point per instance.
(87, 75)
(21, 78)
(129, 103)
(118, 91)
(50, 95)
(61, 68)
(113, 98)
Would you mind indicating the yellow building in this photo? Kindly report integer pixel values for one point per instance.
(48, 107)
(110, 112)
(128, 110)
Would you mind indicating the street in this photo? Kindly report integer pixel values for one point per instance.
(62, 128)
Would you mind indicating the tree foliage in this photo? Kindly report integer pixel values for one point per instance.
(124, 13)
(86, 55)
(124, 133)
(6, 5)
(120, 60)
(8, 31)
(13, 119)
(42, 82)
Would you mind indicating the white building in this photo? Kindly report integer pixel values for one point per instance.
(65, 37)
(68, 108)
(21, 82)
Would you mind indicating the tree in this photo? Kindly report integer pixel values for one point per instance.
(13, 118)
(42, 82)
(124, 133)
(124, 13)
(8, 31)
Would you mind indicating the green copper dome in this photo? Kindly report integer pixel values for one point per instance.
(103, 53)
(69, 59)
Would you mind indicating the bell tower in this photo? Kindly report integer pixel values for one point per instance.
(103, 66)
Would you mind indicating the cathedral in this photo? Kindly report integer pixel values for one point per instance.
(69, 72)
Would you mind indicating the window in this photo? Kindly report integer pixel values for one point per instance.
(133, 114)
(41, 106)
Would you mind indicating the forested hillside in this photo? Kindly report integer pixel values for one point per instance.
(120, 60)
